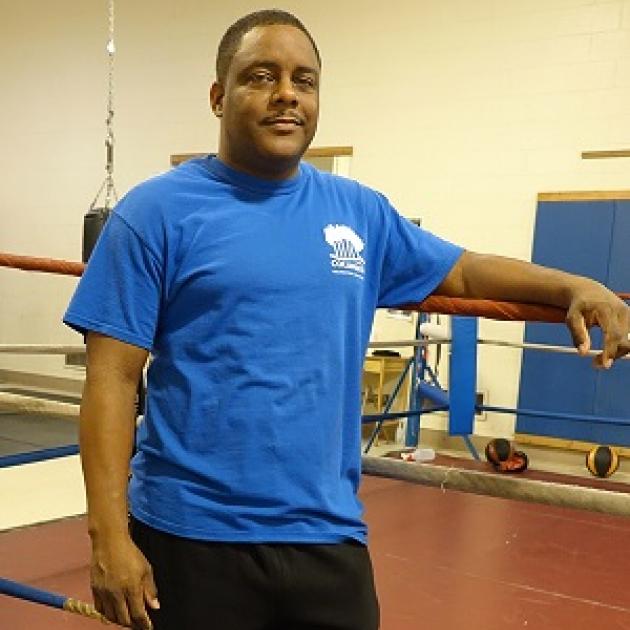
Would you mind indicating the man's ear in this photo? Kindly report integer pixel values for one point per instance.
(216, 98)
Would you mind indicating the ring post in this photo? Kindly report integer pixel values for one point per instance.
(462, 375)
(418, 367)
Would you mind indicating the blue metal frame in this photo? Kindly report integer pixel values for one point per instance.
(460, 399)
(418, 375)
(388, 405)
(425, 387)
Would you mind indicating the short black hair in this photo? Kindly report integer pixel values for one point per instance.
(231, 40)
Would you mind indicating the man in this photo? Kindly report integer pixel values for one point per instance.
(252, 279)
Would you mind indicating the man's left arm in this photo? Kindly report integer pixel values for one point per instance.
(588, 302)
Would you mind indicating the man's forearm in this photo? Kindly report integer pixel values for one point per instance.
(106, 440)
(498, 278)
(107, 430)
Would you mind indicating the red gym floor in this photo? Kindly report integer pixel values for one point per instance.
(444, 560)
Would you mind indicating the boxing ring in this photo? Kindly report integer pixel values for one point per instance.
(453, 544)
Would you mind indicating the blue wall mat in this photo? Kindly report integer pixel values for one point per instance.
(556, 383)
(613, 387)
(619, 269)
(587, 238)
(574, 236)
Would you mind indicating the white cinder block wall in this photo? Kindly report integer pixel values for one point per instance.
(460, 111)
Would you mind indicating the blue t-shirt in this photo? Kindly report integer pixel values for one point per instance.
(256, 300)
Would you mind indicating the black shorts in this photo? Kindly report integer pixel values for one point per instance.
(233, 586)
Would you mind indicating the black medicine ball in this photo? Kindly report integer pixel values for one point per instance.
(602, 461)
(498, 450)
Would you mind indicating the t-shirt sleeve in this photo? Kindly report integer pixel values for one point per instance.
(415, 262)
(119, 293)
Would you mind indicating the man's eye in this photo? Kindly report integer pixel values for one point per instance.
(261, 77)
(306, 81)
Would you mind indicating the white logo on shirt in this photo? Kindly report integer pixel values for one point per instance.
(347, 247)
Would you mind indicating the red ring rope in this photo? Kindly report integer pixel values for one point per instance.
(47, 265)
(508, 311)
(489, 309)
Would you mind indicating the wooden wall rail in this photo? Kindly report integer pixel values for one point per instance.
(599, 155)
(178, 158)
(586, 195)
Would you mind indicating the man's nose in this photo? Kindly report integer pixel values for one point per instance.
(285, 91)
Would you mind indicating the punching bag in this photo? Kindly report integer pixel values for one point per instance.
(93, 223)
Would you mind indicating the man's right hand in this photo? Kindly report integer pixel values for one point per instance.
(122, 583)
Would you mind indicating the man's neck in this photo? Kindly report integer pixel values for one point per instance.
(275, 170)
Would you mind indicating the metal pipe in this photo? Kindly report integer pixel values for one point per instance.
(488, 342)
(555, 414)
(538, 346)
(32, 348)
(375, 417)
(407, 344)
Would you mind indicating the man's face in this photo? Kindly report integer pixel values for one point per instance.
(269, 103)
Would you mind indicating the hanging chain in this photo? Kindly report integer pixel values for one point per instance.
(109, 142)
(108, 184)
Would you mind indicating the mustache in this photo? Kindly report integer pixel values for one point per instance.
(290, 118)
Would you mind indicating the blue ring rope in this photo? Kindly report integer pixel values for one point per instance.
(30, 593)
(38, 456)
(38, 596)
